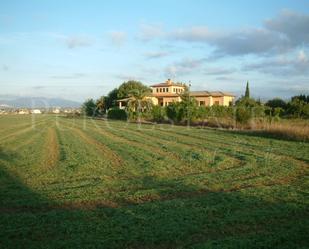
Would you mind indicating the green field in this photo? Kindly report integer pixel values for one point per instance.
(74, 183)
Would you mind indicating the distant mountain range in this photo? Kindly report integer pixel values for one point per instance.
(35, 102)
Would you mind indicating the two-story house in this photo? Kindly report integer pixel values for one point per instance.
(168, 92)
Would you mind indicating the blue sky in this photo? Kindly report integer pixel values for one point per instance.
(81, 49)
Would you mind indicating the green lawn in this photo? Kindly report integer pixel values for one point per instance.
(74, 183)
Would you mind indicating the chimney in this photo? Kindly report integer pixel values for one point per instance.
(169, 81)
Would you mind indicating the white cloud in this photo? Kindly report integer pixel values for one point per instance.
(218, 71)
(292, 65)
(239, 42)
(302, 57)
(150, 31)
(126, 77)
(185, 66)
(280, 34)
(295, 26)
(118, 38)
(156, 54)
(71, 76)
(78, 41)
(192, 34)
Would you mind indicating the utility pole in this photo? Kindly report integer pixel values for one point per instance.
(189, 107)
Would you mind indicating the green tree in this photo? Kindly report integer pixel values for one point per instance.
(125, 89)
(306, 111)
(247, 102)
(247, 93)
(247, 108)
(277, 106)
(301, 97)
(296, 107)
(89, 107)
(186, 110)
(111, 99)
(139, 102)
(276, 102)
(243, 115)
(188, 107)
(158, 113)
(173, 112)
(100, 105)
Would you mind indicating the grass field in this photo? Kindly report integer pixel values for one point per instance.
(74, 183)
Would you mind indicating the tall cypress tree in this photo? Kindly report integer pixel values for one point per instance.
(247, 94)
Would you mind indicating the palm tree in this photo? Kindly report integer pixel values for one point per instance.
(139, 102)
(100, 104)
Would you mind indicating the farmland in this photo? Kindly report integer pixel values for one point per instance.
(83, 183)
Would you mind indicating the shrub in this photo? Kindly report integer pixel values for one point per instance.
(157, 113)
(187, 108)
(116, 113)
(306, 111)
(258, 111)
(278, 111)
(203, 112)
(243, 115)
(173, 112)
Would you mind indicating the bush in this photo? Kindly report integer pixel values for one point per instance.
(306, 111)
(116, 113)
(243, 115)
(173, 112)
(203, 112)
(157, 113)
(258, 111)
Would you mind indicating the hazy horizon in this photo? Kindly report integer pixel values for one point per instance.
(77, 50)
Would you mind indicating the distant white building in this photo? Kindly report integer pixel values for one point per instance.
(56, 111)
(23, 112)
(36, 111)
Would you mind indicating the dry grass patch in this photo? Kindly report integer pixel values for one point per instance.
(298, 130)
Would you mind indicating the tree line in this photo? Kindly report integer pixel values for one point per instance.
(139, 107)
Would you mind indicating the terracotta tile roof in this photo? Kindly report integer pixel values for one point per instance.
(166, 84)
(214, 93)
(224, 94)
(158, 95)
(200, 93)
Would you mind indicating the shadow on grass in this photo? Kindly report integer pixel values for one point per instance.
(8, 156)
(183, 218)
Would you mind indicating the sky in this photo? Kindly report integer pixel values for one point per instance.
(83, 49)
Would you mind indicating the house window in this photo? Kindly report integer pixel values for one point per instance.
(157, 90)
(174, 90)
(217, 102)
(167, 90)
(202, 103)
(164, 90)
(160, 90)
